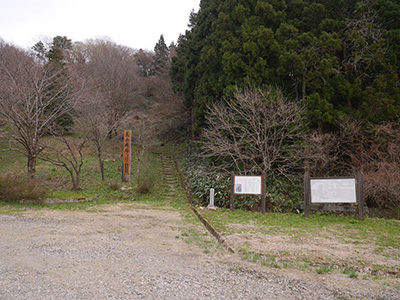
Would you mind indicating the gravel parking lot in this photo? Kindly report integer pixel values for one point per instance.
(128, 252)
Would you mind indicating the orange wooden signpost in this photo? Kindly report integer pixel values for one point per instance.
(126, 157)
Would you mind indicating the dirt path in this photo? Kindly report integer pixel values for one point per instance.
(129, 252)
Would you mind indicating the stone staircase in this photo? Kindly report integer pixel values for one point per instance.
(170, 177)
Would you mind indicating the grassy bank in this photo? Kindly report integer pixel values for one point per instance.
(57, 184)
(95, 193)
(323, 243)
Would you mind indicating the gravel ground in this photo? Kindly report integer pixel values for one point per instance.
(126, 252)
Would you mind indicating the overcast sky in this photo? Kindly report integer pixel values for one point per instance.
(133, 23)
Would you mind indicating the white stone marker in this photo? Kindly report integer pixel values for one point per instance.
(211, 205)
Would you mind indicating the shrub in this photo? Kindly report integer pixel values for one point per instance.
(201, 179)
(14, 189)
(256, 130)
(376, 155)
(282, 195)
(145, 184)
(148, 174)
(359, 147)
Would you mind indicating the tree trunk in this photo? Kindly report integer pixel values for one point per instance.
(31, 168)
(320, 127)
(138, 170)
(101, 165)
(303, 88)
(77, 183)
(100, 156)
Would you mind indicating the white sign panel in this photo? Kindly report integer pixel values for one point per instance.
(247, 185)
(333, 190)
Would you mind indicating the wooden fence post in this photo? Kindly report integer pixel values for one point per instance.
(307, 194)
(232, 191)
(360, 184)
(263, 193)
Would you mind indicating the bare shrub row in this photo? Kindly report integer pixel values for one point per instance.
(259, 130)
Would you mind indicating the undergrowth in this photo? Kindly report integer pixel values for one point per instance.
(282, 195)
(14, 189)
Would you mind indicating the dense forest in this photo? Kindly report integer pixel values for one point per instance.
(274, 86)
(339, 58)
(287, 86)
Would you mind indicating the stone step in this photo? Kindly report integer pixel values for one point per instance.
(170, 177)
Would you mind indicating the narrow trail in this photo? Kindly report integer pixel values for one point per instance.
(170, 177)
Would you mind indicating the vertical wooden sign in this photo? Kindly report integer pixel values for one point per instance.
(126, 157)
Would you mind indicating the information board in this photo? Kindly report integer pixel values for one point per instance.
(247, 185)
(333, 190)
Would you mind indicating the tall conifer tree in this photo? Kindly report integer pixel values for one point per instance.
(161, 57)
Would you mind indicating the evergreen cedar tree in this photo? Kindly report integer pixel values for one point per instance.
(56, 63)
(338, 57)
(161, 57)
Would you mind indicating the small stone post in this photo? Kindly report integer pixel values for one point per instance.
(211, 205)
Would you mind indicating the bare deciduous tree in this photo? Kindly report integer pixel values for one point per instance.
(255, 131)
(364, 44)
(321, 153)
(373, 150)
(145, 61)
(26, 105)
(91, 110)
(67, 153)
(114, 73)
(170, 115)
(144, 137)
(377, 155)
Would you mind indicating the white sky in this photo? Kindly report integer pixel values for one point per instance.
(134, 23)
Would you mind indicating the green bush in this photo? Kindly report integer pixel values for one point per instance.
(14, 189)
(281, 195)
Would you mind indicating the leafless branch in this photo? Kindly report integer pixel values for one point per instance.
(67, 154)
(254, 131)
(26, 105)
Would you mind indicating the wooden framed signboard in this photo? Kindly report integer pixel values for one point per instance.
(337, 194)
(248, 185)
(333, 190)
